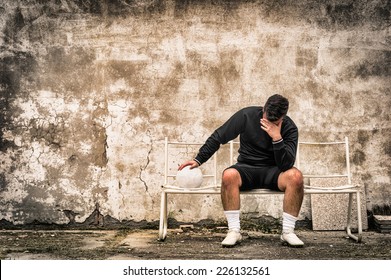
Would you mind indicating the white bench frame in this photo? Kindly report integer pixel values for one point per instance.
(215, 187)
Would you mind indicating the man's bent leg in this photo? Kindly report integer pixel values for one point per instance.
(230, 194)
(291, 183)
(230, 197)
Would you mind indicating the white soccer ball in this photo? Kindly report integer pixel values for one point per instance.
(189, 178)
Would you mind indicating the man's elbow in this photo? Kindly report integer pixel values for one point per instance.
(286, 167)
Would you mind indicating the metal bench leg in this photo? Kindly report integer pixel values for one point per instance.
(163, 217)
(359, 222)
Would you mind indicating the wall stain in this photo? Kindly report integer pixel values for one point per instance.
(376, 64)
(363, 137)
(306, 58)
(73, 70)
(15, 71)
(120, 8)
(345, 100)
(14, 24)
(51, 133)
(229, 65)
(359, 157)
(387, 148)
(100, 145)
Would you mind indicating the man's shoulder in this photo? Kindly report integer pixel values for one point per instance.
(289, 122)
(251, 109)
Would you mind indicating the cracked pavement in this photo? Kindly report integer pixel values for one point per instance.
(195, 243)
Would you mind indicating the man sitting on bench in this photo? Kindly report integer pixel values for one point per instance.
(267, 152)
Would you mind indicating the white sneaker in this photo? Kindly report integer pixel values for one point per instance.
(233, 237)
(291, 239)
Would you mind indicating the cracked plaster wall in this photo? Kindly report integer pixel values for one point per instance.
(90, 88)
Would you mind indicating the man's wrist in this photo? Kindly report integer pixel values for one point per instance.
(277, 141)
(197, 161)
(276, 137)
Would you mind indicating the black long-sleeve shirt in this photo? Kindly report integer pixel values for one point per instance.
(256, 146)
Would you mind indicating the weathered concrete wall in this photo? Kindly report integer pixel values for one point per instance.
(90, 88)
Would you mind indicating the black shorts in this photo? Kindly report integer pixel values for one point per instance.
(257, 177)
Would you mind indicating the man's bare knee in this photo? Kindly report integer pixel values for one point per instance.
(295, 177)
(231, 177)
(292, 178)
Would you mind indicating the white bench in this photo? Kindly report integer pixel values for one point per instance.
(214, 186)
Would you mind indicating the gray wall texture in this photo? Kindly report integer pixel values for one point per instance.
(89, 89)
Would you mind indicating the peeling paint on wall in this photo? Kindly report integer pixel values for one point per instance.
(89, 89)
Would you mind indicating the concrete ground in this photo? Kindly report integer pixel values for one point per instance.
(188, 244)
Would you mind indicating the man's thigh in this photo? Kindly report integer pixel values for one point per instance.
(257, 177)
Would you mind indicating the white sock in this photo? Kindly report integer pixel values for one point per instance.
(233, 219)
(288, 222)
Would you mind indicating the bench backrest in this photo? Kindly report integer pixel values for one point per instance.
(311, 159)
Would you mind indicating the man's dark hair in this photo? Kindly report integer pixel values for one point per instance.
(276, 107)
